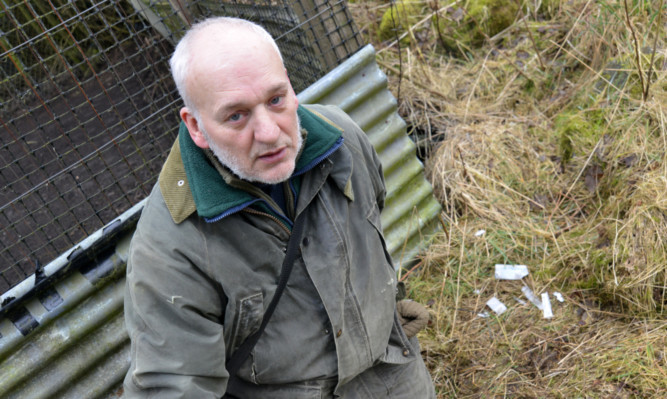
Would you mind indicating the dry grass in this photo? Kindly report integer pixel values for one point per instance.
(546, 138)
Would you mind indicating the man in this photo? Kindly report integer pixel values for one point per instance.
(207, 251)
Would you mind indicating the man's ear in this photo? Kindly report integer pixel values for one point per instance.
(192, 124)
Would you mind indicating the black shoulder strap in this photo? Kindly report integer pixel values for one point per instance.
(241, 354)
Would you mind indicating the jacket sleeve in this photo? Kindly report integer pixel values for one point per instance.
(173, 314)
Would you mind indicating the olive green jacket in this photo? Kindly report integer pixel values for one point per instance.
(206, 254)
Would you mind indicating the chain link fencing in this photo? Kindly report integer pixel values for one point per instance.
(88, 109)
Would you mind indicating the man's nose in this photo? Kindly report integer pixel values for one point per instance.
(266, 129)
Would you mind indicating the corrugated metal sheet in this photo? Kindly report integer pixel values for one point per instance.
(359, 87)
(64, 337)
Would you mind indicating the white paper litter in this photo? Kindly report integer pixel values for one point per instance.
(483, 315)
(521, 301)
(497, 306)
(511, 272)
(559, 297)
(528, 293)
(480, 233)
(546, 304)
(477, 292)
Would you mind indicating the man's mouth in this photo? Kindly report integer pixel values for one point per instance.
(272, 155)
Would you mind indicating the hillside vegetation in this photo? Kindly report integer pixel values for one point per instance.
(543, 128)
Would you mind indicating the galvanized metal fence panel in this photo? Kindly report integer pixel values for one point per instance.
(84, 106)
(67, 340)
(89, 111)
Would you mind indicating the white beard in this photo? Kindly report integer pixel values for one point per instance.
(233, 163)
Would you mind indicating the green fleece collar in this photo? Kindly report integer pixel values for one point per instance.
(214, 198)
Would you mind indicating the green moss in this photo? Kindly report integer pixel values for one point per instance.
(492, 15)
(529, 87)
(590, 283)
(398, 18)
(566, 127)
(600, 259)
(578, 131)
(461, 29)
(453, 36)
(544, 274)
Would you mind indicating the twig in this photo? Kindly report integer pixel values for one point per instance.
(444, 225)
(634, 37)
(436, 13)
(532, 39)
(653, 50)
(182, 11)
(398, 43)
(428, 17)
(415, 267)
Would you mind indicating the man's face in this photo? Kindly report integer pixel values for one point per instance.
(247, 110)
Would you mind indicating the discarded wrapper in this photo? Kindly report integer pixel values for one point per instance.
(480, 233)
(531, 296)
(559, 297)
(497, 306)
(546, 304)
(511, 272)
(521, 301)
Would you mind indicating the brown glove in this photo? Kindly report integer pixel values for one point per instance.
(413, 316)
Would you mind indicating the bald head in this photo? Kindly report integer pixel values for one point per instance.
(239, 102)
(210, 44)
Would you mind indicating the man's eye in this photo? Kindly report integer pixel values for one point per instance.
(235, 117)
(276, 100)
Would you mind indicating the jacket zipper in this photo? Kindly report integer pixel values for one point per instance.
(280, 223)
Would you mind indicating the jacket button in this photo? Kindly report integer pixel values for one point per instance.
(406, 352)
(306, 241)
(339, 333)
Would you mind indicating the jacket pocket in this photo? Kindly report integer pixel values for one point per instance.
(401, 349)
(250, 313)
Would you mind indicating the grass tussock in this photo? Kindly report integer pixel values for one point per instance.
(546, 144)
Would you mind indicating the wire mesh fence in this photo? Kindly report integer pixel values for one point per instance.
(89, 111)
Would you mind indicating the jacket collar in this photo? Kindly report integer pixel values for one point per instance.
(190, 182)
